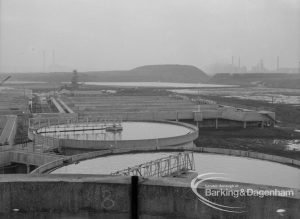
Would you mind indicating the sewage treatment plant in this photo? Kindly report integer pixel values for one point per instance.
(110, 154)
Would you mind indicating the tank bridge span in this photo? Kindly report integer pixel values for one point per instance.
(167, 166)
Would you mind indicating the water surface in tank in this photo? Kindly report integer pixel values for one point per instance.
(239, 169)
(131, 131)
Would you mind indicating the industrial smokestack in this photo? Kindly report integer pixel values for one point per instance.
(53, 57)
(262, 65)
(277, 66)
(232, 65)
(44, 60)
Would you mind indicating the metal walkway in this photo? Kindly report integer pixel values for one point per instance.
(161, 167)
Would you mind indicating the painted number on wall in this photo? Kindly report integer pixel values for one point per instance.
(107, 203)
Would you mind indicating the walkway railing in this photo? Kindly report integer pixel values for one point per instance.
(70, 122)
(161, 167)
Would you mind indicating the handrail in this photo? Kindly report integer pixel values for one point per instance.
(165, 166)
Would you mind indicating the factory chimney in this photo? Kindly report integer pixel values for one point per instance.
(53, 57)
(262, 65)
(232, 64)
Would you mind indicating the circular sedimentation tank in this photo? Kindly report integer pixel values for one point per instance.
(235, 169)
(128, 134)
(129, 131)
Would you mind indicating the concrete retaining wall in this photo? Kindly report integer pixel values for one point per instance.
(56, 196)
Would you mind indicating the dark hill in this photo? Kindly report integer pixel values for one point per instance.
(170, 73)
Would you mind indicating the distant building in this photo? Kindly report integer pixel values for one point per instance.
(227, 68)
(288, 70)
(259, 67)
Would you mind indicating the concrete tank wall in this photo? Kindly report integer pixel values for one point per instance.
(51, 142)
(47, 167)
(129, 144)
(109, 197)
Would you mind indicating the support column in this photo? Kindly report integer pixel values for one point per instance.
(27, 168)
(134, 197)
(33, 143)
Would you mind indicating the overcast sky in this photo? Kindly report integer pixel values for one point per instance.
(123, 34)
